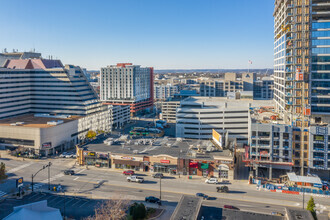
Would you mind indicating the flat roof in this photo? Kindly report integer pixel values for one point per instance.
(167, 146)
(215, 213)
(187, 208)
(30, 120)
(219, 101)
(302, 214)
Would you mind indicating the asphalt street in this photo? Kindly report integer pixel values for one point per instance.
(103, 183)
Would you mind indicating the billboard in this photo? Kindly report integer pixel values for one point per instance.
(216, 137)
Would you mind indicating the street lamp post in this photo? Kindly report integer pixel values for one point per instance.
(49, 164)
(160, 190)
(64, 204)
(44, 167)
(179, 166)
(303, 198)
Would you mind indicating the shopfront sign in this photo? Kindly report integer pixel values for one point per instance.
(47, 145)
(91, 154)
(127, 158)
(204, 166)
(164, 161)
(225, 161)
(19, 182)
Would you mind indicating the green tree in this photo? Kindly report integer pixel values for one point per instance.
(3, 171)
(311, 207)
(91, 134)
(137, 211)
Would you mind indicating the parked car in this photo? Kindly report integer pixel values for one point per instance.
(136, 179)
(63, 155)
(157, 175)
(69, 155)
(69, 172)
(230, 207)
(152, 199)
(211, 181)
(204, 196)
(277, 214)
(223, 189)
(128, 172)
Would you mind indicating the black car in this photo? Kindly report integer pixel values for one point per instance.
(206, 197)
(69, 172)
(158, 175)
(152, 199)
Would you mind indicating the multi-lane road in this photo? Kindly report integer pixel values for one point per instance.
(103, 183)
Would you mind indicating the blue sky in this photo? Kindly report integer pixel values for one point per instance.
(165, 34)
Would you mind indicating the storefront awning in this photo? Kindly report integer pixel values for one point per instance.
(204, 165)
(127, 162)
(193, 164)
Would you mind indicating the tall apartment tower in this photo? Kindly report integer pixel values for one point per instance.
(302, 69)
(127, 84)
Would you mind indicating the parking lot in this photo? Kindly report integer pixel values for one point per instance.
(75, 207)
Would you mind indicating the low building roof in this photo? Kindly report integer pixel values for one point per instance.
(36, 210)
(31, 120)
(161, 146)
(301, 214)
(304, 179)
(187, 208)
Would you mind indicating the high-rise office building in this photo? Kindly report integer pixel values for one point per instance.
(127, 84)
(302, 71)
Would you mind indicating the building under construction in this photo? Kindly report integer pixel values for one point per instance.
(302, 73)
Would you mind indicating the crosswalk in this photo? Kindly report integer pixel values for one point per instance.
(19, 168)
(2, 194)
(37, 186)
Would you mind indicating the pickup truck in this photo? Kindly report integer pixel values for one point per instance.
(135, 179)
(223, 189)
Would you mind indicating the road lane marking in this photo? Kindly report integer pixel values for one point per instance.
(2, 193)
(76, 178)
(81, 171)
(19, 168)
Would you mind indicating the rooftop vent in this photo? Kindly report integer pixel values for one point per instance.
(55, 122)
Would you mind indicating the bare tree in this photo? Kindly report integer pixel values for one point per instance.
(114, 209)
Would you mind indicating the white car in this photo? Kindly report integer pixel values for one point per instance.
(212, 181)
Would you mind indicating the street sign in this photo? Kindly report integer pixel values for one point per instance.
(19, 182)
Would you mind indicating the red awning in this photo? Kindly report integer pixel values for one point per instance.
(193, 164)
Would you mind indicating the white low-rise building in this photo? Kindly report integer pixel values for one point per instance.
(197, 116)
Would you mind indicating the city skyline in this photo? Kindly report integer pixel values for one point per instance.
(172, 35)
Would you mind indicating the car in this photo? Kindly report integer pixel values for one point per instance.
(63, 155)
(230, 207)
(128, 172)
(136, 179)
(211, 181)
(69, 172)
(152, 199)
(68, 155)
(277, 214)
(204, 196)
(223, 189)
(157, 175)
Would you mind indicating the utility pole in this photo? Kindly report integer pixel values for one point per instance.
(303, 198)
(32, 183)
(160, 190)
(49, 164)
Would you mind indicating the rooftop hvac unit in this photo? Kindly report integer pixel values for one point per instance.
(135, 151)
